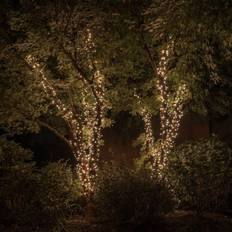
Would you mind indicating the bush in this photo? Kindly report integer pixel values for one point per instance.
(57, 191)
(33, 199)
(125, 196)
(200, 174)
(16, 176)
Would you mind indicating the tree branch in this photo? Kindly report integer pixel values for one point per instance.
(81, 72)
(57, 133)
(147, 50)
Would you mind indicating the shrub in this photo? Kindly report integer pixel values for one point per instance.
(16, 180)
(125, 196)
(200, 174)
(57, 191)
(33, 199)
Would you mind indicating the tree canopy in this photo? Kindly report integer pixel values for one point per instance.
(99, 58)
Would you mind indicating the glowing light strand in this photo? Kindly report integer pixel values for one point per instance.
(147, 119)
(86, 133)
(171, 110)
(93, 116)
(171, 113)
(67, 114)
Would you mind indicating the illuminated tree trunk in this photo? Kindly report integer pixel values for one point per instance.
(147, 118)
(149, 139)
(171, 110)
(86, 131)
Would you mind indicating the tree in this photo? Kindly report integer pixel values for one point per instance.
(187, 59)
(62, 37)
(94, 60)
(202, 53)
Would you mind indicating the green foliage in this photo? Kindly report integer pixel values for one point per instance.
(125, 196)
(56, 33)
(202, 48)
(22, 102)
(200, 174)
(30, 198)
(59, 187)
(58, 191)
(12, 155)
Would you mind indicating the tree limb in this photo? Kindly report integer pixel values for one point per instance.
(147, 50)
(57, 133)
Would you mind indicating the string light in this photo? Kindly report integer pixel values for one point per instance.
(171, 113)
(147, 119)
(86, 131)
(171, 110)
(93, 107)
(66, 113)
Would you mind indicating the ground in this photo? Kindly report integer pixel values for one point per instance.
(178, 221)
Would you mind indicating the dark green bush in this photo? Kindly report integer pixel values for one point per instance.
(57, 191)
(33, 199)
(200, 174)
(16, 176)
(126, 196)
